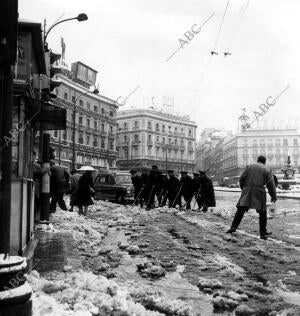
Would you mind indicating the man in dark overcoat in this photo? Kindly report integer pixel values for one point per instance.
(196, 187)
(147, 187)
(138, 187)
(156, 186)
(186, 188)
(59, 182)
(173, 190)
(207, 194)
(252, 182)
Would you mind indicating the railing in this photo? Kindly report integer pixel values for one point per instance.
(150, 143)
(135, 128)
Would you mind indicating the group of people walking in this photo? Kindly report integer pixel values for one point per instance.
(152, 185)
(79, 185)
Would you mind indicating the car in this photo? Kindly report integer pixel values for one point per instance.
(114, 187)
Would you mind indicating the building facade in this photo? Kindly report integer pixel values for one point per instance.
(95, 123)
(146, 137)
(228, 158)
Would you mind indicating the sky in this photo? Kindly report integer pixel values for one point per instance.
(129, 43)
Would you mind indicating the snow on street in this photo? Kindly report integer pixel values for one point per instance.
(166, 262)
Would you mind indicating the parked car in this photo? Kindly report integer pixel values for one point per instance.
(114, 187)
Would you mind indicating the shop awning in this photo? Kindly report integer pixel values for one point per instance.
(46, 115)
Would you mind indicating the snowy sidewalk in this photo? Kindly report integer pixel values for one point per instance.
(54, 251)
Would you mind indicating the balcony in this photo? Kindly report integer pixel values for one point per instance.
(135, 142)
(149, 128)
(135, 128)
(111, 135)
(150, 143)
(102, 133)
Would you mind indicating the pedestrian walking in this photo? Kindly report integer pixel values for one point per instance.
(186, 188)
(85, 190)
(206, 197)
(173, 190)
(138, 187)
(37, 173)
(252, 182)
(59, 182)
(74, 178)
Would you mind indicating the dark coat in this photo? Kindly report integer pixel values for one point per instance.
(173, 186)
(186, 187)
(59, 180)
(196, 185)
(137, 182)
(252, 182)
(83, 195)
(207, 193)
(156, 179)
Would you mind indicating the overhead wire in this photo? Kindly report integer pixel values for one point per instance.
(238, 26)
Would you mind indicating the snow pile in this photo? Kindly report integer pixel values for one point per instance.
(154, 300)
(213, 284)
(83, 294)
(223, 212)
(149, 270)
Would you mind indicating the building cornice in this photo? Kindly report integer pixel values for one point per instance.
(81, 89)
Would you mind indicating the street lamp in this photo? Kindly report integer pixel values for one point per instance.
(95, 91)
(80, 17)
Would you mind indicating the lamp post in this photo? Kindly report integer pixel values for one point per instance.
(95, 91)
(80, 17)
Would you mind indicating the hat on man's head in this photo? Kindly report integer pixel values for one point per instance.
(154, 167)
(201, 171)
(183, 172)
(133, 171)
(170, 171)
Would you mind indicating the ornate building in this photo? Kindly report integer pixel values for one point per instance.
(95, 122)
(146, 137)
(230, 155)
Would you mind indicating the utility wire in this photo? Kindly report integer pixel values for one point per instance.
(238, 25)
(221, 25)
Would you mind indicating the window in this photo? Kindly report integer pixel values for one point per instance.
(95, 143)
(262, 142)
(95, 108)
(55, 134)
(136, 137)
(102, 111)
(87, 139)
(64, 135)
(102, 127)
(136, 124)
(149, 138)
(125, 138)
(182, 142)
(163, 140)
(169, 140)
(80, 120)
(149, 125)
(157, 127)
(66, 96)
(285, 142)
(125, 126)
(80, 103)
(295, 142)
(80, 139)
(88, 122)
(111, 113)
(111, 145)
(270, 142)
(175, 141)
(277, 142)
(175, 129)
(163, 128)
(157, 138)
(190, 132)
(88, 106)
(95, 125)
(102, 143)
(73, 99)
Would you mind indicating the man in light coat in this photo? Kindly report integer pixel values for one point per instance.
(252, 182)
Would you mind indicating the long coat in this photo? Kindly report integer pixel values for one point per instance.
(252, 182)
(83, 195)
(207, 193)
(59, 180)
